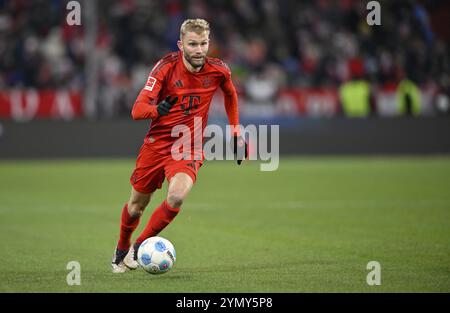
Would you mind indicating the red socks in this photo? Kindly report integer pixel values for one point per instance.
(127, 226)
(161, 217)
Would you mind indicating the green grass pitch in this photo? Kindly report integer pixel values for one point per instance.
(311, 226)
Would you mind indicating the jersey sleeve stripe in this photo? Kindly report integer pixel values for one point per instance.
(219, 62)
(166, 60)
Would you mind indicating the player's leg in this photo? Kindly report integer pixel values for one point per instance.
(147, 176)
(179, 187)
(130, 217)
(181, 176)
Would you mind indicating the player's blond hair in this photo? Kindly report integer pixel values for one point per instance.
(197, 25)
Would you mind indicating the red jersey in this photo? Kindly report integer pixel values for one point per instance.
(170, 77)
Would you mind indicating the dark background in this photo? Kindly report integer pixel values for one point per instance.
(290, 61)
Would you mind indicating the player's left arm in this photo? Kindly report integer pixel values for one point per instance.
(240, 148)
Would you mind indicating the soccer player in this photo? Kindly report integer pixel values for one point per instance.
(178, 91)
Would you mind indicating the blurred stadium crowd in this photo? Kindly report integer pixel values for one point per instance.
(288, 57)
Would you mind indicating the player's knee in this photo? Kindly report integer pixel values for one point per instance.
(175, 199)
(136, 209)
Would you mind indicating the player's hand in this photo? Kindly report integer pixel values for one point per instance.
(165, 105)
(240, 148)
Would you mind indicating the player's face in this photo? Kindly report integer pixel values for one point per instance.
(195, 47)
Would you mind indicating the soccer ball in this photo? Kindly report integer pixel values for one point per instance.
(156, 255)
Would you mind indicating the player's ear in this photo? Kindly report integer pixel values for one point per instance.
(180, 45)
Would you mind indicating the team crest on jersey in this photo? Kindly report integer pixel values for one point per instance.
(206, 82)
(151, 81)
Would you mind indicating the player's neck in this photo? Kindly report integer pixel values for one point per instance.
(190, 68)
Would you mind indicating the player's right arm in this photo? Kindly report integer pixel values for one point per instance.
(146, 105)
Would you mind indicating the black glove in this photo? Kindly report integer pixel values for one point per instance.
(165, 105)
(240, 148)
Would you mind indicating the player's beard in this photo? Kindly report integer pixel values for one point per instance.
(195, 63)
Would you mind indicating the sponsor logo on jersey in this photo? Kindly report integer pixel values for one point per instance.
(192, 103)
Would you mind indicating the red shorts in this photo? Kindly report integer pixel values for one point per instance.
(152, 168)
